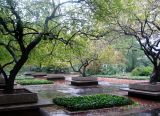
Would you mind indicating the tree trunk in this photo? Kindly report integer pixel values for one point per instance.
(154, 76)
(9, 84)
(84, 71)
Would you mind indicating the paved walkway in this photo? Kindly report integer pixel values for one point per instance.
(120, 81)
(106, 85)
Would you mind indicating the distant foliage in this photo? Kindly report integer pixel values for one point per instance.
(142, 71)
(112, 69)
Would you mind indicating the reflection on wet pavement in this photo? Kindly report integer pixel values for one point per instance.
(64, 88)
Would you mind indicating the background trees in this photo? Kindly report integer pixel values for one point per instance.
(24, 24)
(138, 19)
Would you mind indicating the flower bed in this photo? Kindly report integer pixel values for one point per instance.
(33, 82)
(91, 102)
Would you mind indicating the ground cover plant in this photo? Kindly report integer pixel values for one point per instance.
(91, 102)
(23, 77)
(33, 81)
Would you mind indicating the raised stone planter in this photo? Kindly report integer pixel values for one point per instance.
(146, 86)
(84, 81)
(55, 77)
(28, 73)
(144, 90)
(20, 96)
(39, 74)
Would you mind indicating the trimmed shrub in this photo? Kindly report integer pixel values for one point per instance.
(142, 71)
(33, 82)
(91, 102)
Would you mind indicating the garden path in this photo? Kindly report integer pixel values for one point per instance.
(106, 85)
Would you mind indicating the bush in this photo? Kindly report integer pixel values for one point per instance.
(142, 71)
(33, 82)
(91, 102)
(55, 69)
(111, 69)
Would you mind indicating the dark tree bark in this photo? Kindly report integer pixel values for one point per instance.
(84, 63)
(146, 32)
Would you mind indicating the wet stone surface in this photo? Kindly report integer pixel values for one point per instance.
(64, 88)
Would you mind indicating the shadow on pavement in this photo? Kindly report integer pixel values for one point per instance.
(28, 112)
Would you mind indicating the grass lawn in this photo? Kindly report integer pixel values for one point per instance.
(97, 101)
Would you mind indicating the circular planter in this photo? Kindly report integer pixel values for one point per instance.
(84, 81)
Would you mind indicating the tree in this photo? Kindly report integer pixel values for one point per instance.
(144, 26)
(81, 55)
(138, 19)
(91, 55)
(23, 25)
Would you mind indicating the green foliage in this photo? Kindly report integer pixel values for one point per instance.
(55, 69)
(91, 102)
(108, 69)
(142, 71)
(23, 77)
(33, 81)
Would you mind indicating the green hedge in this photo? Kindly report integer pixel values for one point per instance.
(33, 82)
(142, 71)
(91, 102)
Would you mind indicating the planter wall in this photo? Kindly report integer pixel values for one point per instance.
(84, 81)
(20, 96)
(40, 74)
(55, 77)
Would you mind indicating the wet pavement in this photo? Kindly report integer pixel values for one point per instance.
(64, 88)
